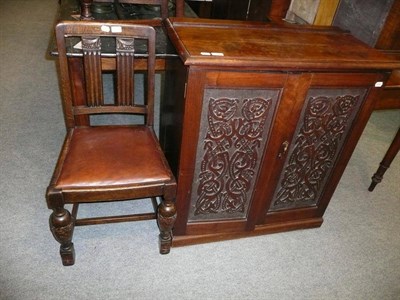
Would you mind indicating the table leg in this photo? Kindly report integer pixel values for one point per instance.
(386, 161)
(86, 13)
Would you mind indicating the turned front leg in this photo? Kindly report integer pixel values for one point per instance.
(166, 219)
(62, 227)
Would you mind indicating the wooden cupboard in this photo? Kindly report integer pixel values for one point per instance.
(259, 121)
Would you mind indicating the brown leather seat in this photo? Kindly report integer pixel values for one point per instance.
(111, 156)
(110, 162)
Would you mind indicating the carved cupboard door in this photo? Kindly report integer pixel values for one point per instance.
(231, 117)
(311, 157)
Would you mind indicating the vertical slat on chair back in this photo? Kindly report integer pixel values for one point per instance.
(91, 48)
(91, 34)
(125, 79)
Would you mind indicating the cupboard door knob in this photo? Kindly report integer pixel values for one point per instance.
(284, 148)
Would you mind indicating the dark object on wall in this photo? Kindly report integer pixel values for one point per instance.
(364, 18)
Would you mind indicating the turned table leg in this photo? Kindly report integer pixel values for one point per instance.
(86, 13)
(386, 161)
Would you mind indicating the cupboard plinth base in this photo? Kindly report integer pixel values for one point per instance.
(186, 240)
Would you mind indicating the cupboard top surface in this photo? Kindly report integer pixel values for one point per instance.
(271, 46)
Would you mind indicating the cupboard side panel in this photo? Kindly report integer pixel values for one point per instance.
(190, 126)
(171, 111)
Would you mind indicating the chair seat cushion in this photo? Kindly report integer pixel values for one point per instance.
(111, 156)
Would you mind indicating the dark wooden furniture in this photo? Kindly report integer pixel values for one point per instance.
(255, 10)
(259, 122)
(386, 161)
(250, 10)
(159, 5)
(108, 163)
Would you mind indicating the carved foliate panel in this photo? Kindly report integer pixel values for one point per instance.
(91, 45)
(125, 46)
(233, 133)
(325, 121)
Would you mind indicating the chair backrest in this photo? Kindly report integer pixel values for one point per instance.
(124, 37)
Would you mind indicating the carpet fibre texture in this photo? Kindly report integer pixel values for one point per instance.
(354, 255)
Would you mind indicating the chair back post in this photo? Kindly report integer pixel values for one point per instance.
(64, 79)
(151, 66)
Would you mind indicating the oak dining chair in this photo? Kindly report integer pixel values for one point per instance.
(108, 163)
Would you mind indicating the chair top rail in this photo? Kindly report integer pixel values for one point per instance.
(105, 28)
